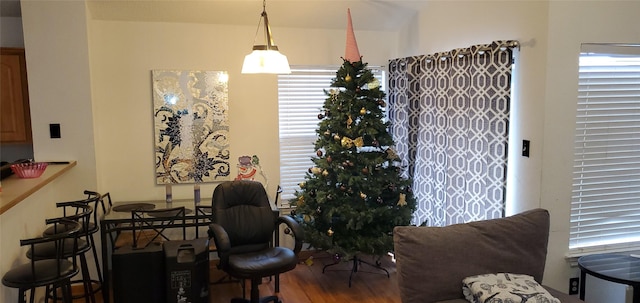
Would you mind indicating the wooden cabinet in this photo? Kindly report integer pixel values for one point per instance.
(15, 120)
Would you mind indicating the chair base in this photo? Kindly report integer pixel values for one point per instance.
(273, 299)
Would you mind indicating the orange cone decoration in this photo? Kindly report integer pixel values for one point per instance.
(351, 52)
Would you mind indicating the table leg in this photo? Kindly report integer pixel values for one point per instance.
(105, 262)
(583, 282)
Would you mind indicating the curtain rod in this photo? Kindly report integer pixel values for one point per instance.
(503, 45)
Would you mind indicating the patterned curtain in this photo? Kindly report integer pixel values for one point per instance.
(449, 115)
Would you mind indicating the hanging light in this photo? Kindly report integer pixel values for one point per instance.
(265, 59)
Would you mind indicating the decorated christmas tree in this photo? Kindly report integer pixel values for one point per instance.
(353, 195)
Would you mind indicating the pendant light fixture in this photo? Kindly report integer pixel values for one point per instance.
(265, 59)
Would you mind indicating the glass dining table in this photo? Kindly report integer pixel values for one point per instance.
(121, 217)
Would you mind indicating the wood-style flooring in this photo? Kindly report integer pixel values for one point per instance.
(308, 284)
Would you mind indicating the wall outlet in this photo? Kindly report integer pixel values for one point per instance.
(574, 286)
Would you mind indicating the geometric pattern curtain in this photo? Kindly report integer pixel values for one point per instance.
(449, 115)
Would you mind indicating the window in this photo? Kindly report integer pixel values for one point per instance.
(300, 100)
(605, 205)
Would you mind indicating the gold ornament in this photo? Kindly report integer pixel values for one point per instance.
(402, 201)
(334, 94)
(327, 133)
(363, 111)
(373, 84)
(316, 170)
(300, 200)
(336, 137)
(348, 142)
(330, 232)
(307, 218)
(325, 173)
(363, 195)
(302, 184)
(347, 78)
(349, 122)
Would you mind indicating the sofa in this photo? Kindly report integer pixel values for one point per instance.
(432, 262)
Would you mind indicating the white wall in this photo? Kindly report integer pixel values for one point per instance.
(123, 55)
(571, 24)
(56, 46)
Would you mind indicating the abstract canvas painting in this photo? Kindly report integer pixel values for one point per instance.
(191, 126)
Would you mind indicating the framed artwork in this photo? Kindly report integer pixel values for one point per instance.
(191, 126)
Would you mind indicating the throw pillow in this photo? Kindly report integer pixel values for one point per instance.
(505, 288)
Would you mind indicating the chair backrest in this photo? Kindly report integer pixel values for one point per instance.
(432, 261)
(242, 208)
(69, 228)
(91, 200)
(78, 211)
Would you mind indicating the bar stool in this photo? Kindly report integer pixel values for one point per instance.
(95, 201)
(56, 272)
(80, 213)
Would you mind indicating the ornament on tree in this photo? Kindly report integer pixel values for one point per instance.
(392, 155)
(327, 133)
(320, 116)
(306, 218)
(347, 78)
(373, 84)
(302, 184)
(330, 232)
(363, 195)
(365, 170)
(349, 143)
(363, 111)
(329, 159)
(312, 194)
(325, 173)
(333, 93)
(319, 153)
(316, 170)
(349, 121)
(402, 200)
(301, 201)
(336, 137)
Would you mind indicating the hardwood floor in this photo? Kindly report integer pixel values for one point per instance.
(307, 283)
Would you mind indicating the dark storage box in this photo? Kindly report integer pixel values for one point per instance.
(138, 274)
(187, 271)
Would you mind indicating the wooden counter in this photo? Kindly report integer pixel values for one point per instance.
(14, 189)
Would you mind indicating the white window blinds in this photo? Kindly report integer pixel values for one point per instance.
(605, 206)
(300, 99)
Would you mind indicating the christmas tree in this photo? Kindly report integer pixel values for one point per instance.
(353, 195)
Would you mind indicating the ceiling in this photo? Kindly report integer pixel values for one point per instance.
(327, 14)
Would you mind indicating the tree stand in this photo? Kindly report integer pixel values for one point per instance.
(357, 262)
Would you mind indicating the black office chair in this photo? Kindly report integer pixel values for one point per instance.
(243, 229)
(56, 272)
